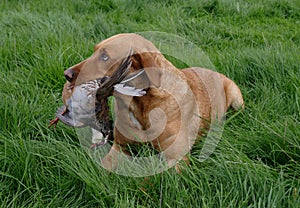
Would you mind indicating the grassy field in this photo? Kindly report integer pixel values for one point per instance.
(254, 42)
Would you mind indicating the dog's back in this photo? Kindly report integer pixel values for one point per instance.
(214, 92)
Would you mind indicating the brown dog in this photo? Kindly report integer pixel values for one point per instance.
(176, 104)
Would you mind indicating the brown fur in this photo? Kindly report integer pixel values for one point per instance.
(167, 113)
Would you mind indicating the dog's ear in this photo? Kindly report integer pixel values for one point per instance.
(148, 61)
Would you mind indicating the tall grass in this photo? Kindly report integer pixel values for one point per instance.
(255, 43)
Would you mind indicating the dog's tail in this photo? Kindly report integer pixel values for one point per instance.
(234, 97)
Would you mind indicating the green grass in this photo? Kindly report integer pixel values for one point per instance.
(255, 43)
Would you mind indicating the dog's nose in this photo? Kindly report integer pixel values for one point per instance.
(69, 74)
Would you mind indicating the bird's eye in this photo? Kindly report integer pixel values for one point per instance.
(104, 57)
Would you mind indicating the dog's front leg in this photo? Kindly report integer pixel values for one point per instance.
(116, 154)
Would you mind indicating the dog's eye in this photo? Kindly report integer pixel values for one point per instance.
(104, 57)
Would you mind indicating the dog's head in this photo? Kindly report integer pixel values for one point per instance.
(107, 58)
(120, 57)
